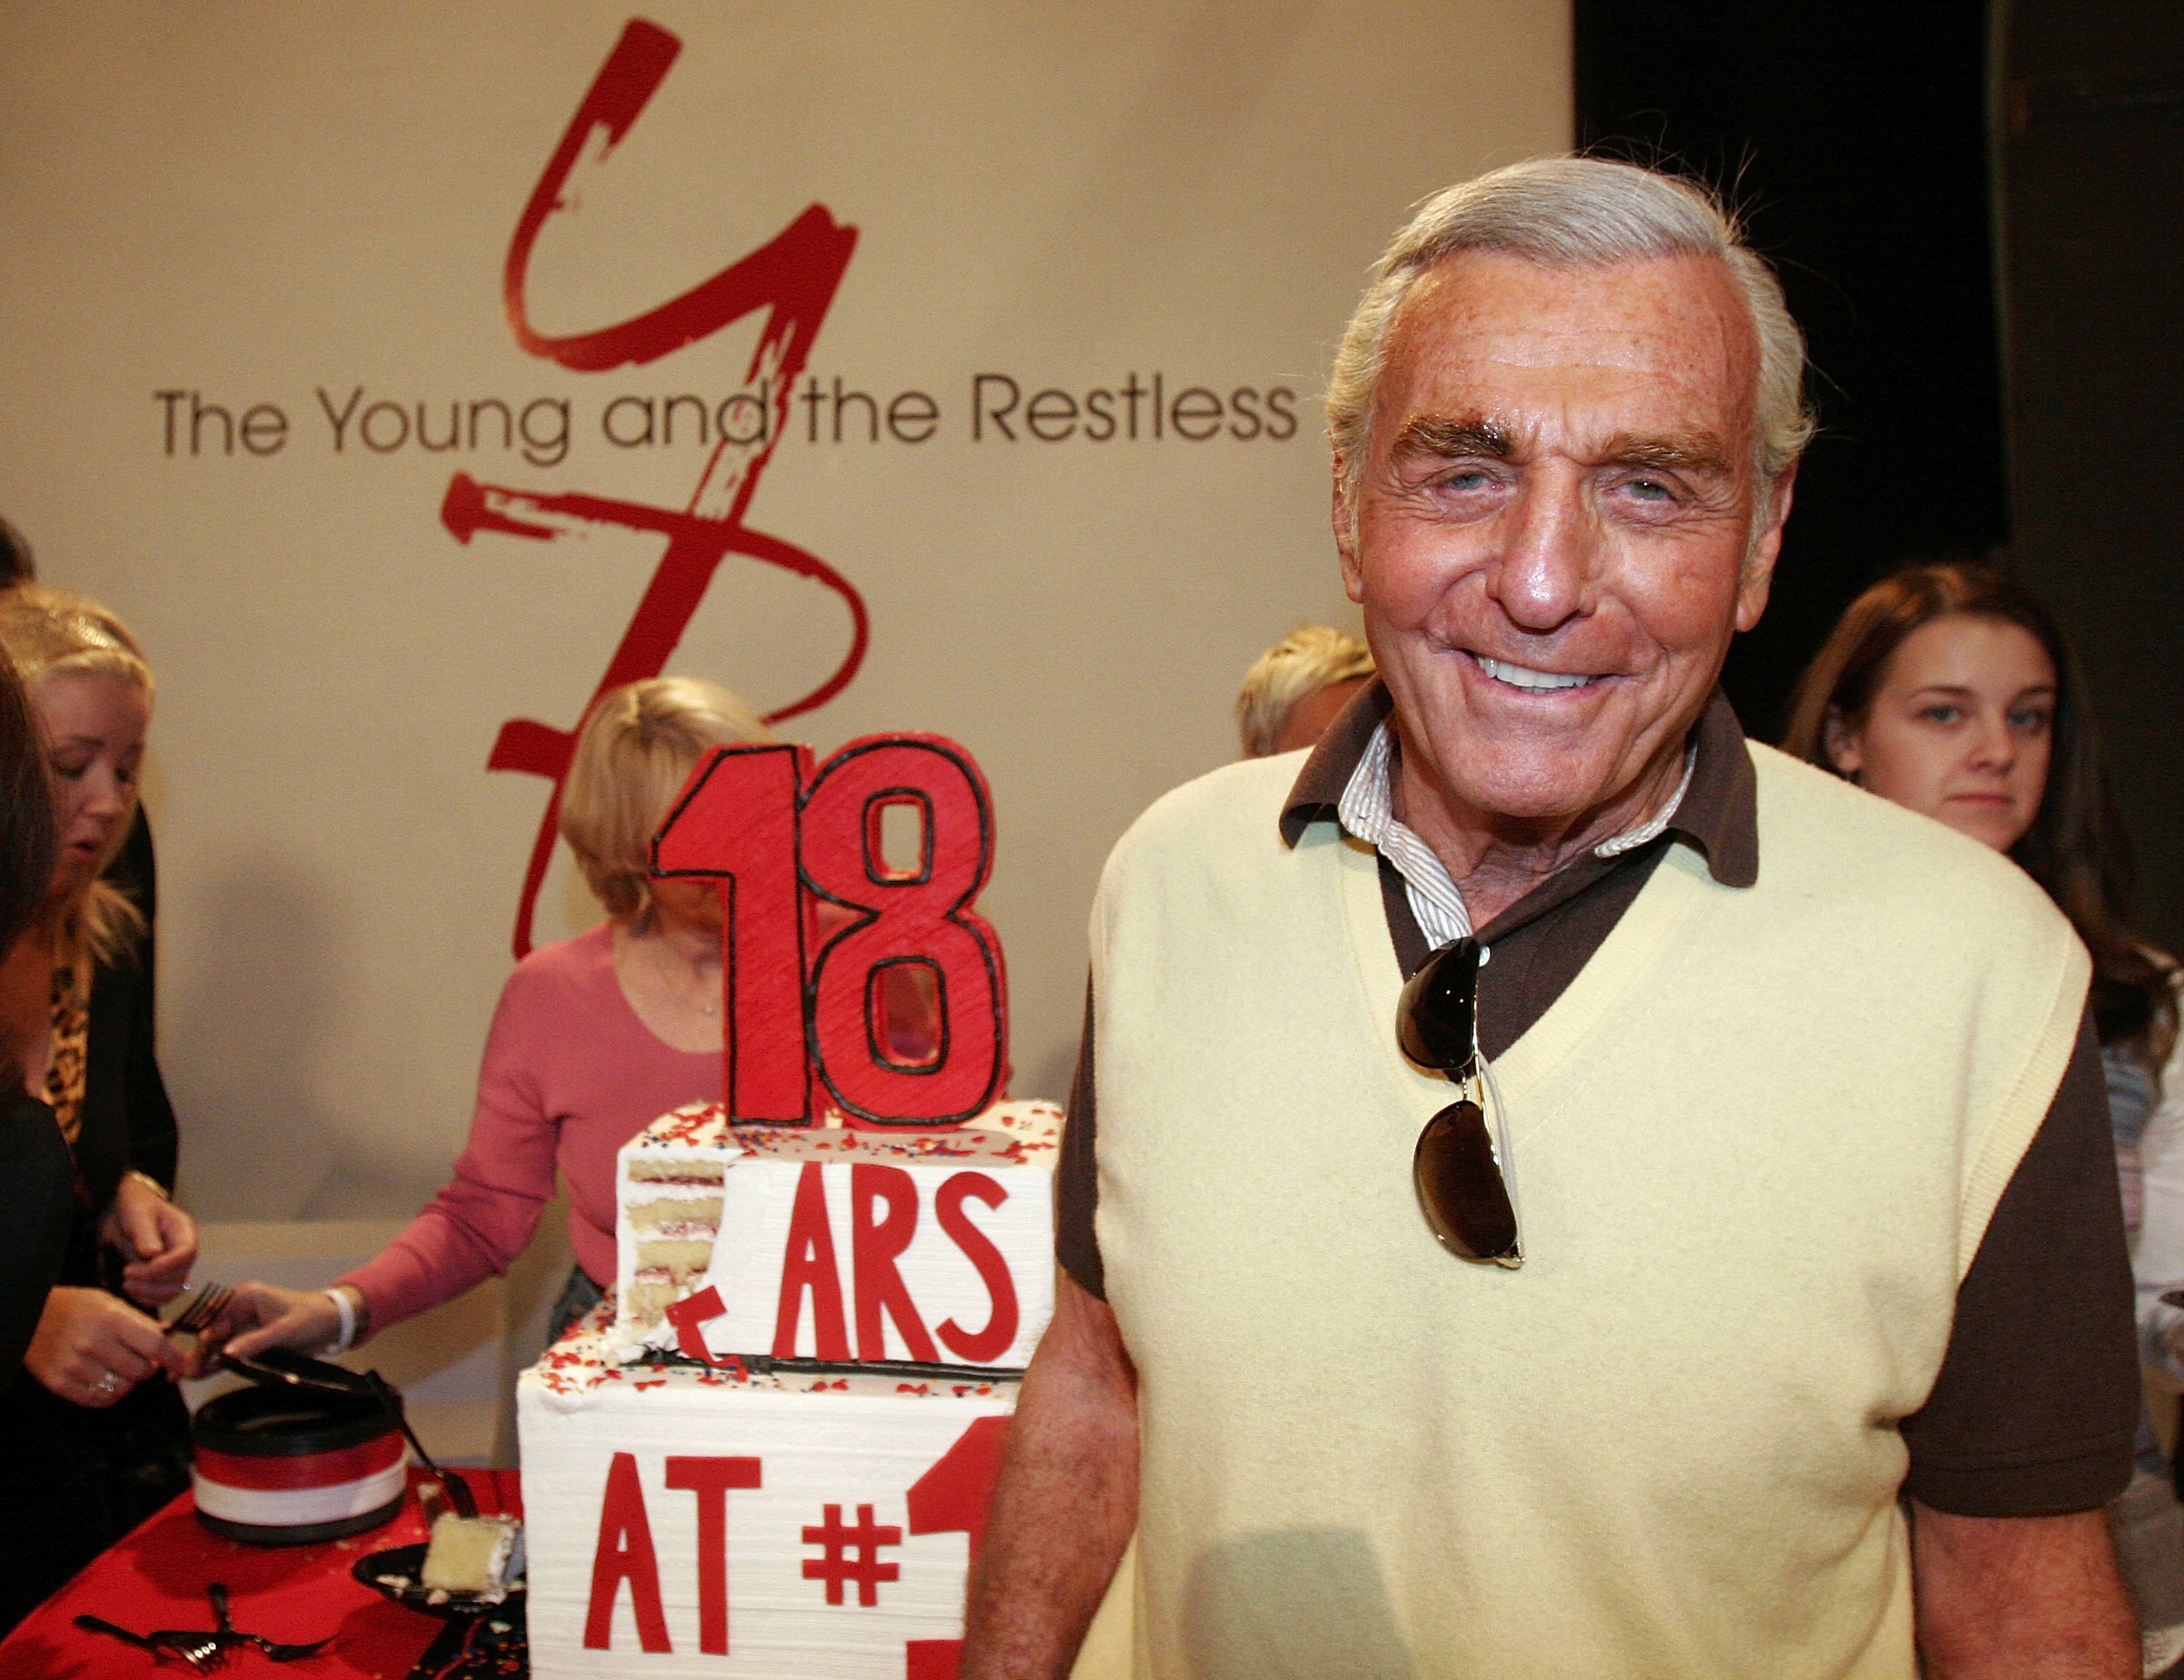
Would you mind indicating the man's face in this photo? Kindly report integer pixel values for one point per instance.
(1555, 532)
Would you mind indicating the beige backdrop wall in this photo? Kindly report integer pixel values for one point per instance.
(279, 204)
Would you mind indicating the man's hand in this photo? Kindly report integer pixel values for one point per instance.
(2030, 1598)
(1067, 1502)
(262, 1316)
(91, 1347)
(158, 1239)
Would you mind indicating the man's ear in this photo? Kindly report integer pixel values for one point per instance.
(1345, 534)
(1844, 746)
(1757, 575)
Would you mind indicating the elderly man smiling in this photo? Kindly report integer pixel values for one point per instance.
(1734, 1162)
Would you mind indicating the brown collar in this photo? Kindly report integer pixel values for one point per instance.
(1719, 813)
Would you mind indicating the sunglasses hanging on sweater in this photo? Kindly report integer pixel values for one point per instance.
(1456, 1168)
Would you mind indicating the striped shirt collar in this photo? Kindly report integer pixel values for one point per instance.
(1345, 778)
(1367, 809)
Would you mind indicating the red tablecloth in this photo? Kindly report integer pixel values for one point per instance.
(156, 1576)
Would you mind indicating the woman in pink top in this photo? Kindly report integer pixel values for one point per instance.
(595, 1037)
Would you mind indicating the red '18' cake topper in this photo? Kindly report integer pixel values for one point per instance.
(779, 841)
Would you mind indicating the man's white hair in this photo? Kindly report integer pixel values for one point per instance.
(1582, 213)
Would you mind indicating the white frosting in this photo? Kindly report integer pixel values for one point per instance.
(1013, 1146)
(945, 1287)
(847, 1441)
(842, 1439)
(641, 1191)
(695, 1136)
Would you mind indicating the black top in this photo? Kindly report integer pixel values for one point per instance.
(128, 1125)
(37, 1201)
(78, 1477)
(48, 1233)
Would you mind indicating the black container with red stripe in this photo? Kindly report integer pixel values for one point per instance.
(284, 1466)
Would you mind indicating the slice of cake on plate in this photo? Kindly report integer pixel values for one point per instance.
(479, 1555)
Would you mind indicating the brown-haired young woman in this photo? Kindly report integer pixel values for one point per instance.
(1950, 689)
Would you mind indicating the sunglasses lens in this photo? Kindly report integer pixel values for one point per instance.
(1460, 1187)
(1433, 1021)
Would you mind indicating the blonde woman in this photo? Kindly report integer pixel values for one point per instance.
(595, 1037)
(1294, 690)
(97, 1441)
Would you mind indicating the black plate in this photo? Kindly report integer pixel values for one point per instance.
(378, 1570)
(282, 1367)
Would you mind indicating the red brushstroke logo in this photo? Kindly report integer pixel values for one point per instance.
(793, 278)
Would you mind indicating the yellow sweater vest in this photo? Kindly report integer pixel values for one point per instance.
(1755, 1147)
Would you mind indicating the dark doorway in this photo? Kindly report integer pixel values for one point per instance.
(1995, 307)
(1853, 137)
(2092, 168)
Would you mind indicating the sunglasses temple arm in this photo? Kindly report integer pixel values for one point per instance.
(1497, 1131)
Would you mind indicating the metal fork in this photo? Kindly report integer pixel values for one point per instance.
(202, 1651)
(207, 1304)
(274, 1648)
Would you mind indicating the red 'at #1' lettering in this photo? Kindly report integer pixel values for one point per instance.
(809, 1267)
(851, 1555)
(625, 1551)
(951, 1499)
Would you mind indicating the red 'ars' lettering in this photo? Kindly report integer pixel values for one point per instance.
(808, 1264)
(710, 1479)
(689, 1316)
(624, 1553)
(992, 1342)
(882, 1221)
(875, 1248)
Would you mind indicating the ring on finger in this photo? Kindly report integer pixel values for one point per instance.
(107, 1385)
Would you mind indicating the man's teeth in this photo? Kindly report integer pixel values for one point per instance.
(1518, 677)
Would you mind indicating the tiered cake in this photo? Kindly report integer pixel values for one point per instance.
(773, 1456)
